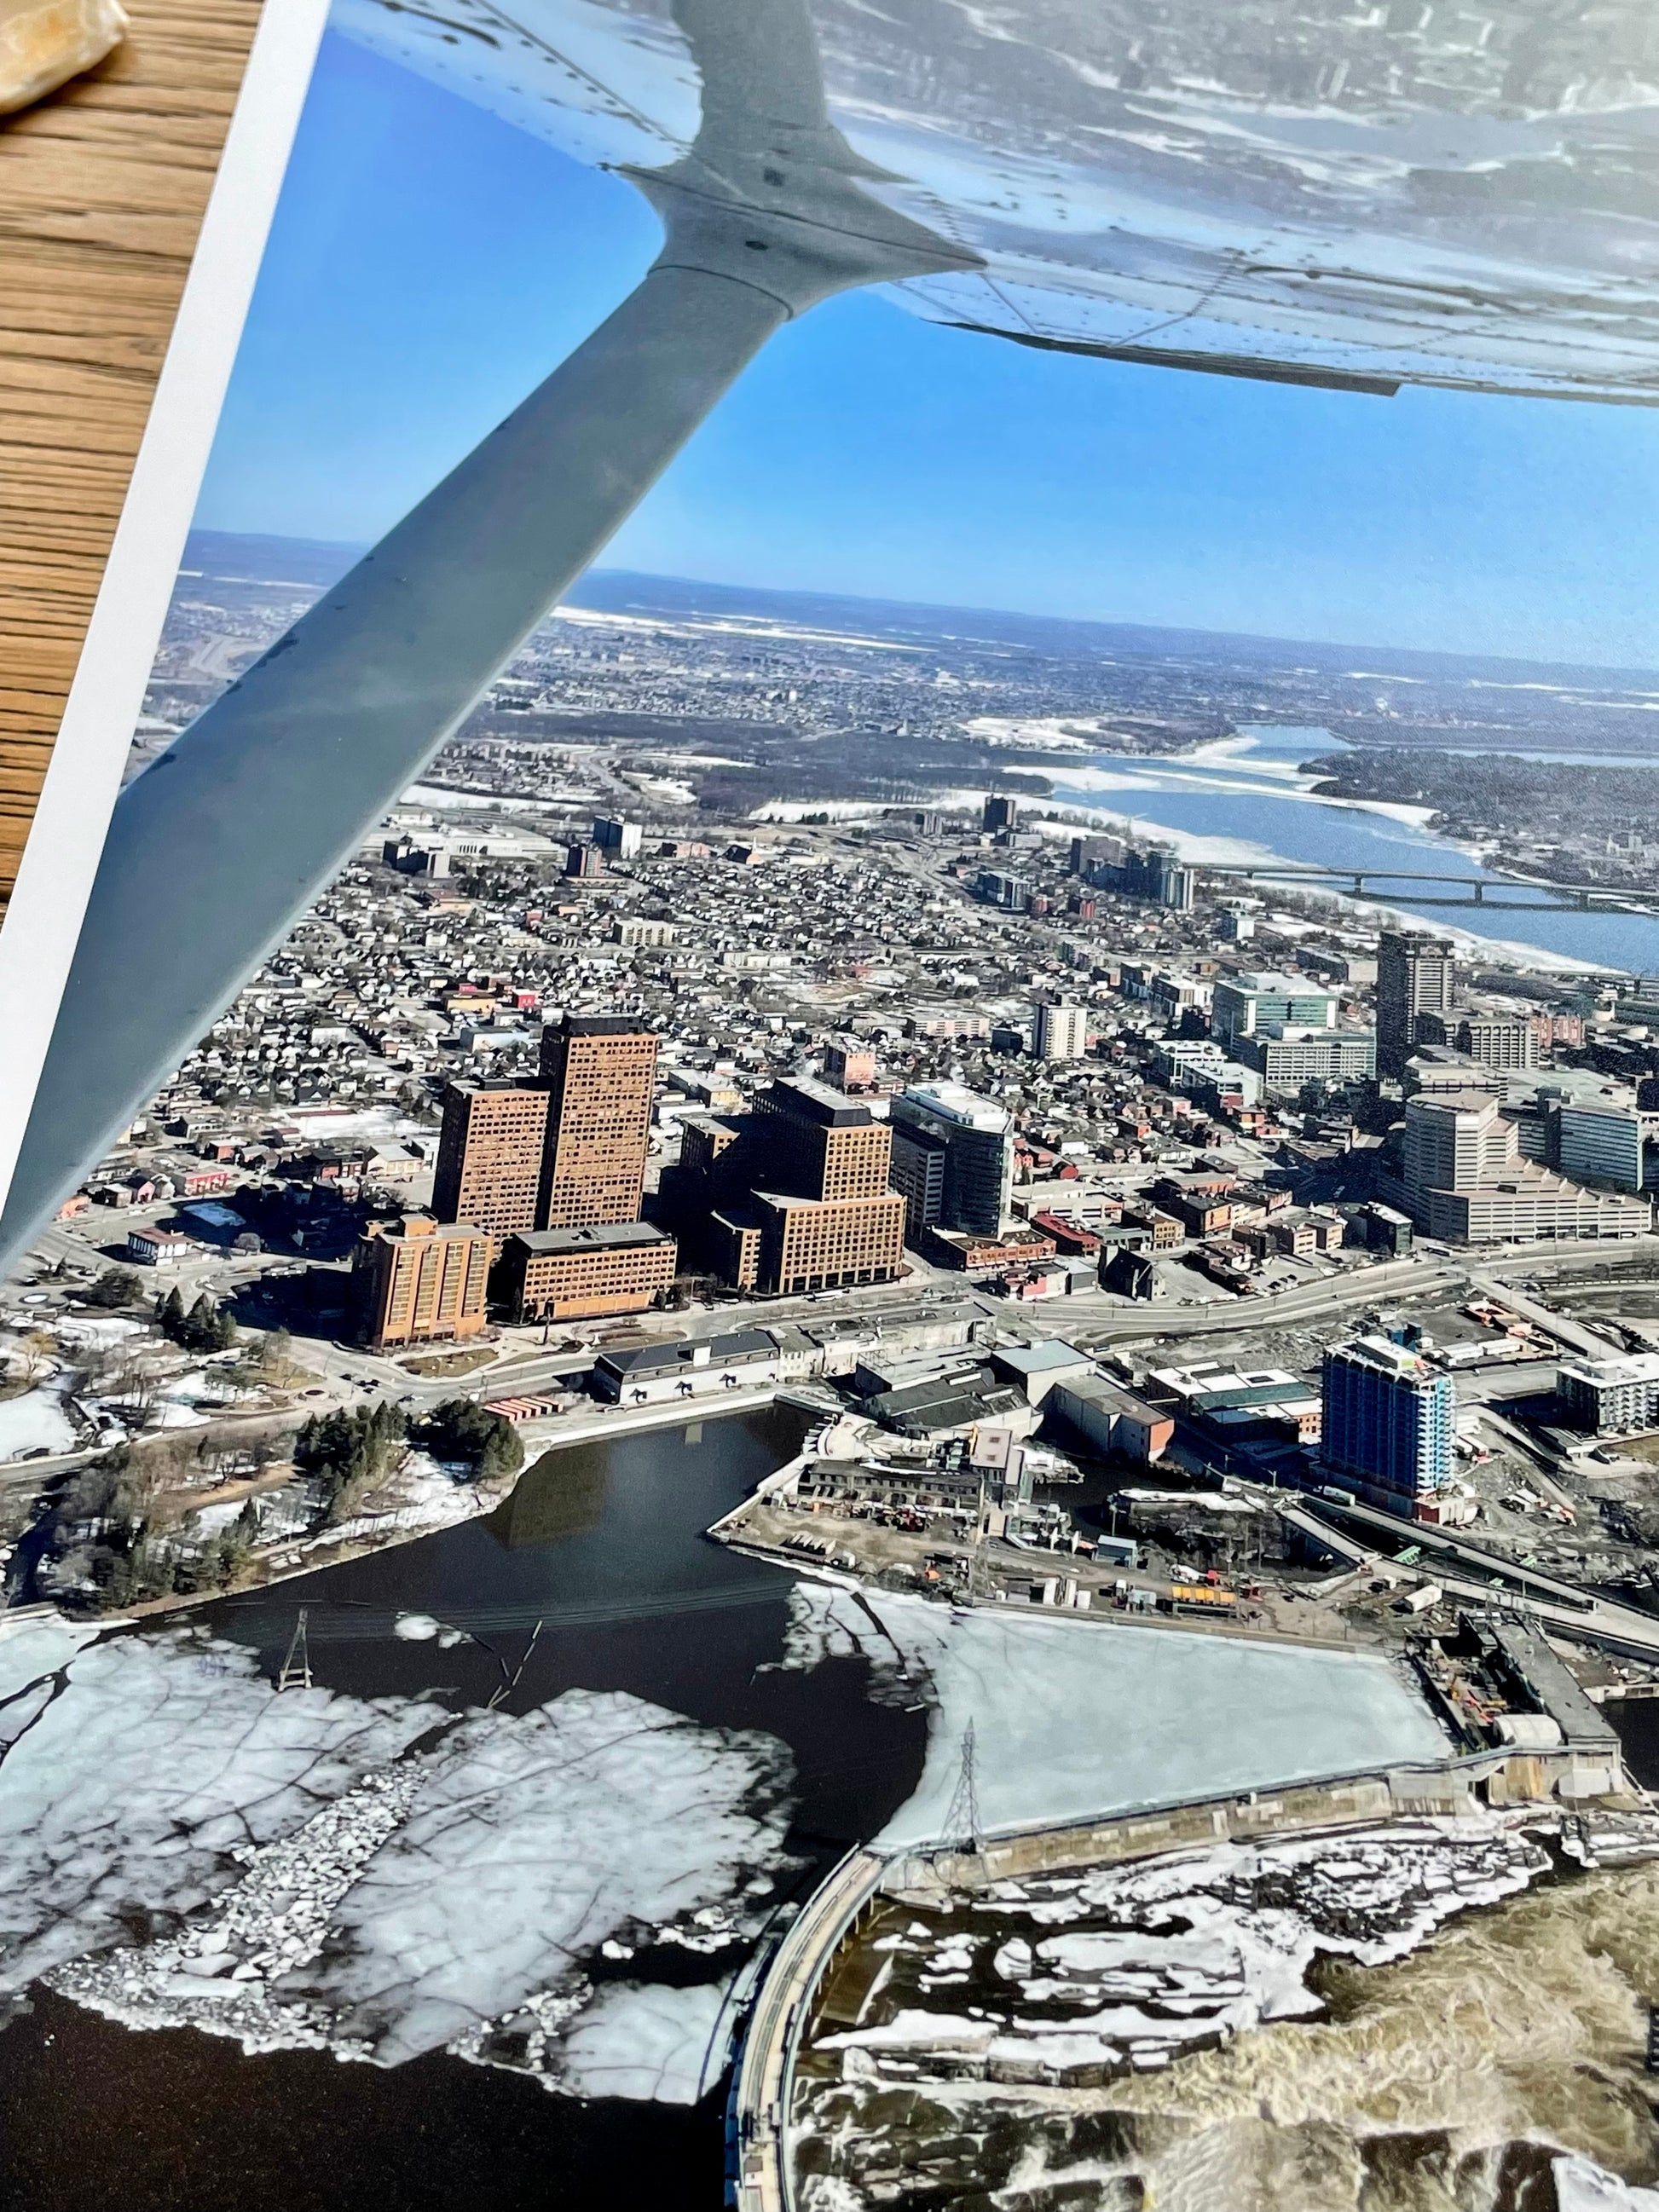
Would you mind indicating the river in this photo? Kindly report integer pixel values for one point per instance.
(602, 1543)
(1246, 799)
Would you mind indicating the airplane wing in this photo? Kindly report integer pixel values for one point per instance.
(1408, 191)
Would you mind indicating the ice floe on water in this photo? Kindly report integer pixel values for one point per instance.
(1082, 1975)
(179, 1844)
(1073, 1718)
(142, 1765)
(532, 1841)
(642, 2039)
(1581, 2187)
(1386, 2019)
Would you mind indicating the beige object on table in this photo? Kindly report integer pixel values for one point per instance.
(102, 186)
(44, 43)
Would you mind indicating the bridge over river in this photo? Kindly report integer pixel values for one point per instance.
(1546, 896)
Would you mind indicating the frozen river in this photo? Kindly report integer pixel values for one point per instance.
(513, 1872)
(1246, 799)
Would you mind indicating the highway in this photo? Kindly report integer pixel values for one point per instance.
(1304, 1302)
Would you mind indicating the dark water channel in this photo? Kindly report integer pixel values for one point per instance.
(603, 1543)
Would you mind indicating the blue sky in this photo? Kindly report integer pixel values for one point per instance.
(429, 265)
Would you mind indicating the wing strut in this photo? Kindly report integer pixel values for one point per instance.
(216, 849)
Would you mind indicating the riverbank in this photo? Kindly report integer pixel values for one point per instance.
(1245, 799)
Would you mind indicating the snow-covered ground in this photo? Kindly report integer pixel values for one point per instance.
(35, 1421)
(373, 1877)
(422, 1495)
(1073, 1718)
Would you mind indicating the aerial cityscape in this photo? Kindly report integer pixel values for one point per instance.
(1082, 1252)
(829, 1328)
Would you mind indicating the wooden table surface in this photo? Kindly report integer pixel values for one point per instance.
(101, 193)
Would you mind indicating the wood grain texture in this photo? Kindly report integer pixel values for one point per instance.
(102, 189)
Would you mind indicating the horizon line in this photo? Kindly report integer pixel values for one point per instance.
(357, 548)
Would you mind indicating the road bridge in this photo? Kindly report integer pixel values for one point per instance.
(764, 2086)
(1547, 897)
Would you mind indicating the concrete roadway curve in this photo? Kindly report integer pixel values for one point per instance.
(762, 2088)
(1304, 1302)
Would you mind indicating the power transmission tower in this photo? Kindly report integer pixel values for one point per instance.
(962, 1821)
(294, 1673)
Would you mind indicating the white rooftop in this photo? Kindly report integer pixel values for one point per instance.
(955, 1101)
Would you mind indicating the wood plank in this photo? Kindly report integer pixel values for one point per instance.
(102, 189)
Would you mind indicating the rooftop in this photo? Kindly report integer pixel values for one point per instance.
(804, 1097)
(955, 1101)
(737, 1346)
(1621, 1367)
(1041, 1359)
(1269, 980)
(1382, 1353)
(608, 1236)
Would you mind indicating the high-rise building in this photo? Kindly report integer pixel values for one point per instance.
(1388, 1422)
(823, 1143)
(1457, 1142)
(826, 1244)
(792, 1197)
(1465, 1179)
(490, 1156)
(1608, 1141)
(1012, 893)
(917, 1174)
(1285, 1058)
(583, 860)
(576, 1274)
(1062, 1031)
(599, 1072)
(850, 1064)
(1001, 812)
(612, 835)
(1414, 975)
(979, 1161)
(1618, 1392)
(1508, 1041)
(418, 1280)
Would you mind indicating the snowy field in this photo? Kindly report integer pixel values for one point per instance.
(1073, 1719)
(35, 1421)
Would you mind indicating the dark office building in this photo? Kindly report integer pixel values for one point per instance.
(1414, 975)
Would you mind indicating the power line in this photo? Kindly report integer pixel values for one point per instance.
(294, 1673)
(962, 1821)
